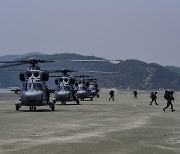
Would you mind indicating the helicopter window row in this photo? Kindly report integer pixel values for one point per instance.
(81, 82)
(26, 86)
(37, 86)
(30, 74)
(82, 88)
(65, 88)
(61, 80)
(32, 86)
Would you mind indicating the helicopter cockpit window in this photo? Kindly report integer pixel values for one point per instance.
(82, 88)
(26, 86)
(65, 88)
(91, 88)
(91, 85)
(37, 86)
(60, 88)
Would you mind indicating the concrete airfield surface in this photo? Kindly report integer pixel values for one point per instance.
(125, 126)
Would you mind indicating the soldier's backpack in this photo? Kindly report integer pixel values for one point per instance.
(111, 92)
(152, 95)
(167, 95)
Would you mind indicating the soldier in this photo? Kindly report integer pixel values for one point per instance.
(111, 93)
(135, 94)
(74, 96)
(48, 92)
(153, 97)
(169, 97)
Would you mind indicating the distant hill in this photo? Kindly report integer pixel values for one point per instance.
(13, 57)
(136, 74)
(147, 76)
(174, 69)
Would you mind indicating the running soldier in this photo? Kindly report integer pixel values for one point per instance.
(111, 93)
(153, 98)
(135, 94)
(169, 97)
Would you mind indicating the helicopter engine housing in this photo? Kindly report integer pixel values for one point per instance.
(45, 76)
(21, 77)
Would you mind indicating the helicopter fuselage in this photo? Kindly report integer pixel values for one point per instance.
(34, 91)
(93, 89)
(65, 91)
(33, 98)
(83, 92)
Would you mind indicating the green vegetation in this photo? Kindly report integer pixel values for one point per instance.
(136, 74)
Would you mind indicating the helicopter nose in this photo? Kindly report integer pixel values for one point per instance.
(33, 96)
(63, 95)
(93, 92)
(81, 94)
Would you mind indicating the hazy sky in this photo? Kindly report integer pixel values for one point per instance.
(147, 30)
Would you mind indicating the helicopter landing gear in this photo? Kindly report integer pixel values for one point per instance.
(17, 107)
(97, 95)
(63, 102)
(54, 101)
(52, 107)
(77, 102)
(91, 99)
(32, 108)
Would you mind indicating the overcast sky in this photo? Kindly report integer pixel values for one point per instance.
(147, 30)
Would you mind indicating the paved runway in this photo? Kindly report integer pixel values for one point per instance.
(127, 126)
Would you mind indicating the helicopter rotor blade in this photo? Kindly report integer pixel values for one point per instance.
(55, 76)
(82, 76)
(30, 60)
(100, 72)
(87, 60)
(22, 62)
(18, 70)
(62, 71)
(15, 61)
(109, 76)
(3, 66)
(93, 80)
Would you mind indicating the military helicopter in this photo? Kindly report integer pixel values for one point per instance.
(87, 86)
(93, 87)
(34, 91)
(65, 87)
(82, 87)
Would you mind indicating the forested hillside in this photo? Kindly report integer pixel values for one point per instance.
(135, 74)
